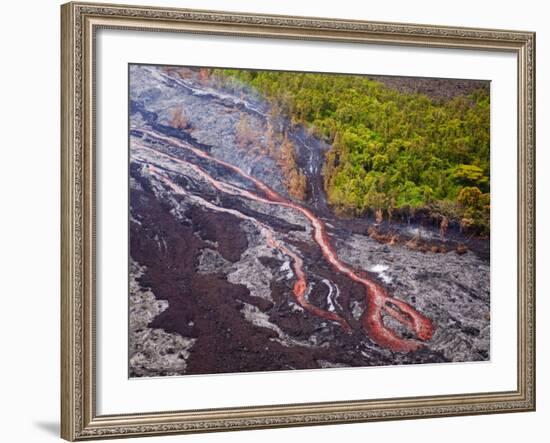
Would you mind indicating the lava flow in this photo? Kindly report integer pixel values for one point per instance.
(377, 299)
(300, 286)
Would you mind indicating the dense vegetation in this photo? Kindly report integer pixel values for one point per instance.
(391, 151)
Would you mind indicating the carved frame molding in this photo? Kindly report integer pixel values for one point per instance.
(79, 24)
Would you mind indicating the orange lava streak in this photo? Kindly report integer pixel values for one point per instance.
(300, 288)
(378, 300)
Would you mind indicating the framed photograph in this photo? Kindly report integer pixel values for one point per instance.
(281, 221)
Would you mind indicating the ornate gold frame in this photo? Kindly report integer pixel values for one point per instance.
(79, 21)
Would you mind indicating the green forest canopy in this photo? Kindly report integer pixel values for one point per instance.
(390, 150)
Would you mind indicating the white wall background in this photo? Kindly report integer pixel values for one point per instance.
(29, 221)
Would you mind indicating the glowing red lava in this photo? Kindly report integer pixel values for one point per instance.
(377, 299)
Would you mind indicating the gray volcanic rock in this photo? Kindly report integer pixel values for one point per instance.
(212, 262)
(453, 289)
(213, 118)
(153, 352)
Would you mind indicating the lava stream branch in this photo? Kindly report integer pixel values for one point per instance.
(377, 299)
(300, 287)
